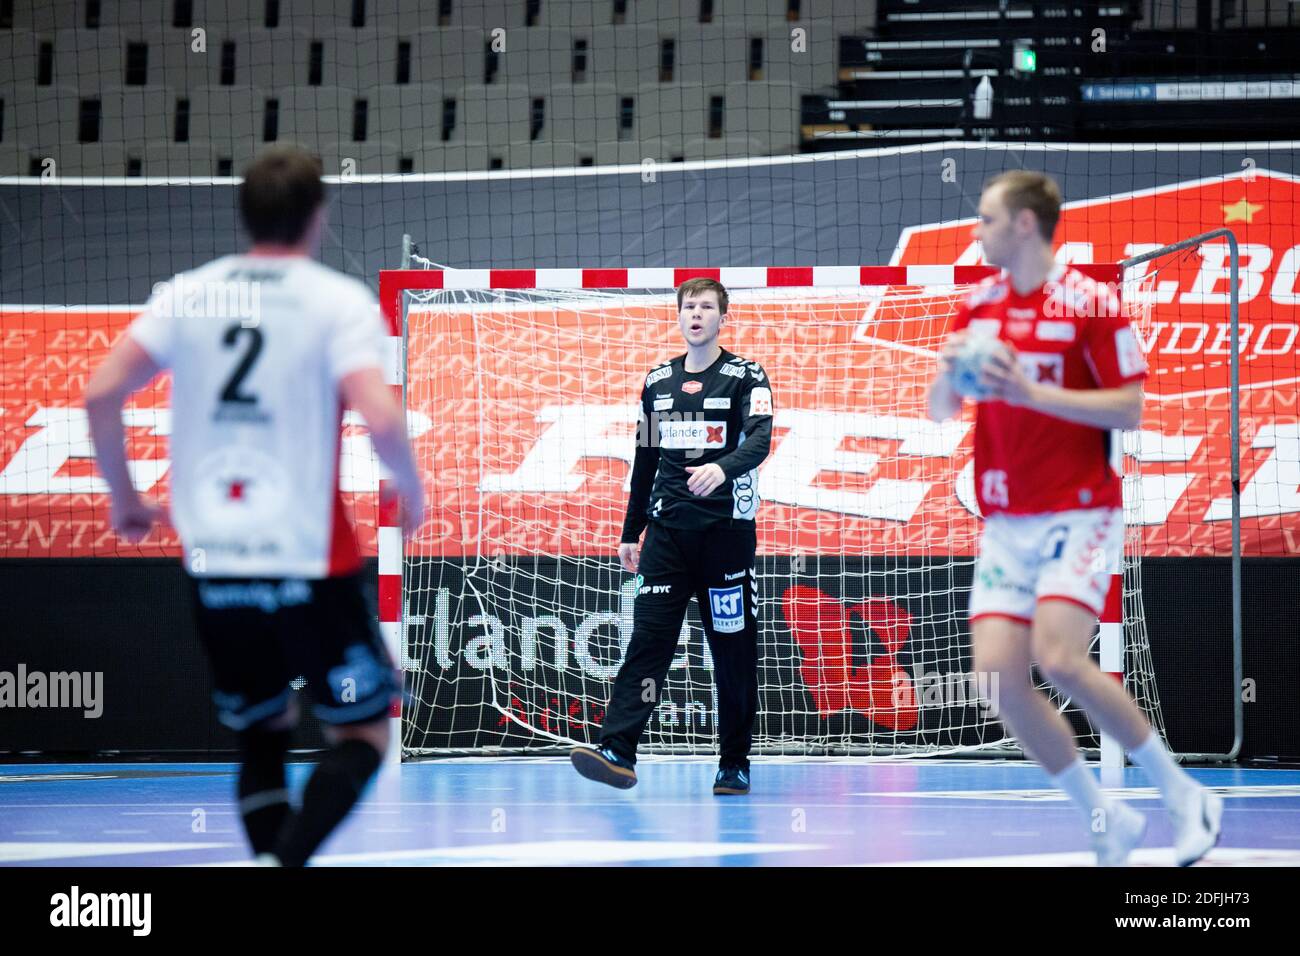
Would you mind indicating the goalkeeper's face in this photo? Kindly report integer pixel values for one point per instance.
(700, 318)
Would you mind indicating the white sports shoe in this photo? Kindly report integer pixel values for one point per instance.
(1125, 830)
(1198, 821)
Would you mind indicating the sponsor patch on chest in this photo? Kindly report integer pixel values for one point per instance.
(658, 375)
(1043, 367)
(692, 387)
(723, 402)
(693, 434)
(1055, 331)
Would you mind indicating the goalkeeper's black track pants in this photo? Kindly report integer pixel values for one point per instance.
(716, 566)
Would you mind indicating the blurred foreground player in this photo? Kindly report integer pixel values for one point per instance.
(706, 425)
(1072, 371)
(266, 350)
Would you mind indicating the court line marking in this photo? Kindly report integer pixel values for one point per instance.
(32, 852)
(1154, 856)
(1052, 794)
(554, 853)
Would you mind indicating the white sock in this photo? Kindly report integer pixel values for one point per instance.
(1154, 757)
(1082, 788)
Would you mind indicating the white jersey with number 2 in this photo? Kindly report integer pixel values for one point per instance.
(257, 346)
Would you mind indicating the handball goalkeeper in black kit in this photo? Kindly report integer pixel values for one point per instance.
(705, 426)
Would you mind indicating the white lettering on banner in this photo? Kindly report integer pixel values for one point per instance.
(1071, 252)
(1222, 344)
(65, 435)
(1266, 336)
(1274, 489)
(1135, 292)
(359, 465)
(965, 489)
(1176, 344)
(1284, 291)
(1156, 495)
(1210, 284)
(1191, 338)
(692, 434)
(1254, 259)
(490, 649)
(576, 432)
(812, 445)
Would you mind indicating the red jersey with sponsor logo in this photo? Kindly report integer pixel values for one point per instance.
(1070, 333)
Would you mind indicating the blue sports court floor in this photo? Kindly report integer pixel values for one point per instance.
(538, 811)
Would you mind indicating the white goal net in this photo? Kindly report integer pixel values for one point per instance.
(523, 405)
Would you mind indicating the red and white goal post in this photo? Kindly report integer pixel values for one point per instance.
(508, 611)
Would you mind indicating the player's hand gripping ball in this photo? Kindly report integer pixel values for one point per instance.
(970, 359)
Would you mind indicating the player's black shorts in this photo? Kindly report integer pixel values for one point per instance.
(262, 633)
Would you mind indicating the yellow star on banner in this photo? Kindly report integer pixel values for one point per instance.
(1240, 211)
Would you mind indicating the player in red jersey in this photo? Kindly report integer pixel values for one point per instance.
(1071, 372)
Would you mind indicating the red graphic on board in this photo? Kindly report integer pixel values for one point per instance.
(880, 690)
(525, 452)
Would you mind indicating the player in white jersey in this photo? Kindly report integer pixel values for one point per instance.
(266, 350)
(1070, 372)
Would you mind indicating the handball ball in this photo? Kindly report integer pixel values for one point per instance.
(970, 361)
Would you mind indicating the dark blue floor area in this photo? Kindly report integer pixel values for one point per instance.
(537, 811)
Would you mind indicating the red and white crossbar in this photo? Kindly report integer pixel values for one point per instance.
(393, 282)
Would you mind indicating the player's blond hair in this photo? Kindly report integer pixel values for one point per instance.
(1037, 192)
(703, 284)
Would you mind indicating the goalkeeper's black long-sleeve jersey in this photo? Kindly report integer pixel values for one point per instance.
(722, 416)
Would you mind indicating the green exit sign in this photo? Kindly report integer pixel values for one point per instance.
(1025, 60)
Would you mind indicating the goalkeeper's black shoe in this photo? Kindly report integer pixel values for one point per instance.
(731, 781)
(604, 766)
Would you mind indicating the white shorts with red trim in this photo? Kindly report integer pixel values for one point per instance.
(1064, 555)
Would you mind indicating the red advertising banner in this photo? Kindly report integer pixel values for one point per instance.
(524, 417)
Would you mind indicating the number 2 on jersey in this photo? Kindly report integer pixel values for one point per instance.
(231, 392)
